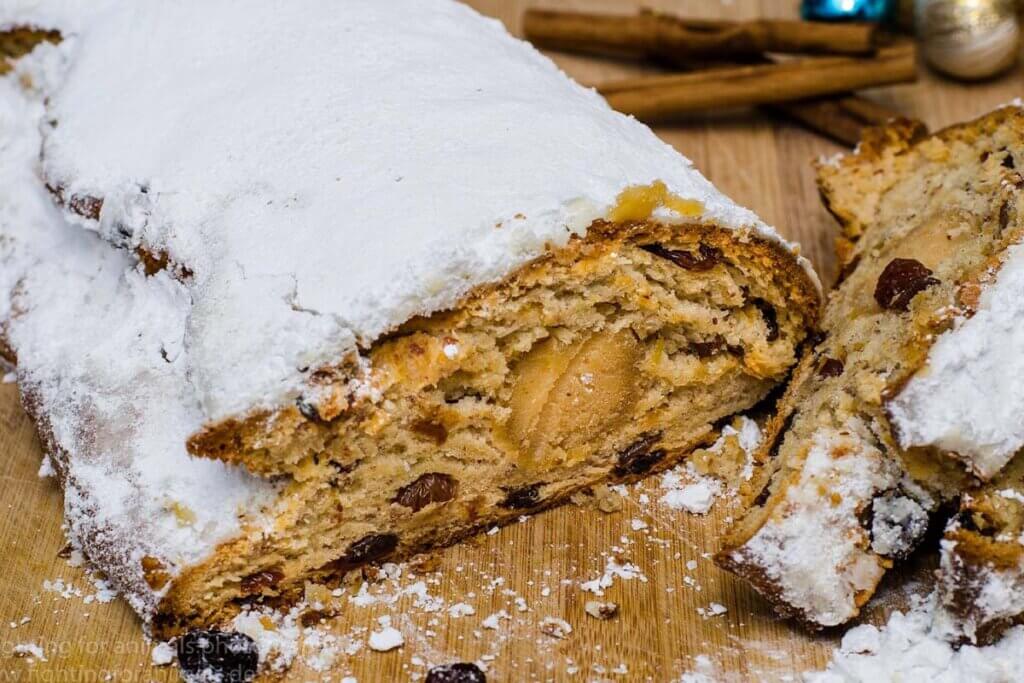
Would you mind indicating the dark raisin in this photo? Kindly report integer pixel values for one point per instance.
(830, 367)
(308, 410)
(705, 258)
(432, 487)
(435, 431)
(256, 583)
(763, 496)
(1008, 161)
(522, 497)
(224, 656)
(370, 548)
(900, 282)
(770, 317)
(639, 457)
(461, 672)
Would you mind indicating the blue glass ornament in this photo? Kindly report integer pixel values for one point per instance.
(848, 10)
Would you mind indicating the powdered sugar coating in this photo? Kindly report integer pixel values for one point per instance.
(326, 180)
(813, 548)
(101, 362)
(968, 398)
(910, 650)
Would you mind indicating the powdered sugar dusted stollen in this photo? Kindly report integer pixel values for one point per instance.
(608, 307)
(929, 225)
(100, 367)
(316, 193)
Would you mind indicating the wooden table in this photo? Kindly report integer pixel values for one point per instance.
(658, 634)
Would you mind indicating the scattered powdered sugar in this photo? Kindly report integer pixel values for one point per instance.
(687, 490)
(613, 569)
(276, 634)
(555, 627)
(32, 651)
(386, 637)
(493, 621)
(907, 649)
(46, 469)
(703, 672)
(162, 654)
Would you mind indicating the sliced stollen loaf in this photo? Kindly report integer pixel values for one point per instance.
(427, 283)
(860, 454)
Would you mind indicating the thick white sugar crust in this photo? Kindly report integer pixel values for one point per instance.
(813, 548)
(329, 172)
(969, 397)
(101, 359)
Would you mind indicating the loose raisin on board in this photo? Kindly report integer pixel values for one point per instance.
(432, 487)
(639, 457)
(522, 497)
(461, 672)
(705, 258)
(900, 282)
(226, 656)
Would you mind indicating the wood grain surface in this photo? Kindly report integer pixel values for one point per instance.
(659, 634)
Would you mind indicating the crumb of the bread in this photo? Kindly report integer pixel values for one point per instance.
(555, 627)
(601, 610)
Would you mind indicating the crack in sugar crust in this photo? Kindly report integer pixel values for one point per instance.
(100, 371)
(314, 223)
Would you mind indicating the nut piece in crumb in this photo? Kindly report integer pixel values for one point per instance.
(555, 627)
(601, 610)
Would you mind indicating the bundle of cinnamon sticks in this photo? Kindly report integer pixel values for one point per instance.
(734, 64)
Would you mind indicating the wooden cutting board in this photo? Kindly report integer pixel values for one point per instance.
(659, 633)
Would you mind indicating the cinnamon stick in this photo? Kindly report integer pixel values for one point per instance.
(841, 118)
(664, 97)
(664, 36)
